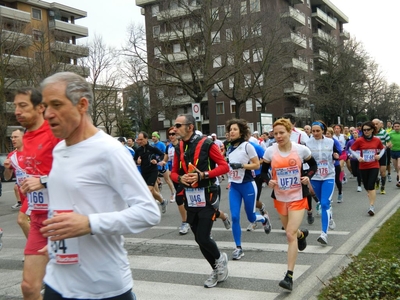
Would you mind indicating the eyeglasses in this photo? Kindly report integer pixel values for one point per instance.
(172, 133)
(179, 125)
(367, 129)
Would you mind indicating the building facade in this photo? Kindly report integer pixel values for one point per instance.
(237, 58)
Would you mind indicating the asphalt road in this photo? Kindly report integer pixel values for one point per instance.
(166, 265)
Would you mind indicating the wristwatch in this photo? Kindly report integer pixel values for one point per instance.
(43, 180)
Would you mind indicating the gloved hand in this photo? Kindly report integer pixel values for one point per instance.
(236, 166)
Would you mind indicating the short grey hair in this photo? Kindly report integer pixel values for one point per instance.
(76, 86)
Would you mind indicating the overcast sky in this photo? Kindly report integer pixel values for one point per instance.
(372, 22)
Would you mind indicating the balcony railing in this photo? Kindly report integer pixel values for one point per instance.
(17, 39)
(296, 64)
(175, 35)
(16, 60)
(296, 89)
(70, 49)
(15, 14)
(296, 39)
(181, 56)
(345, 35)
(81, 70)
(295, 15)
(186, 77)
(323, 18)
(320, 34)
(73, 29)
(175, 13)
(145, 2)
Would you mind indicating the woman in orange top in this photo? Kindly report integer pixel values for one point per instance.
(290, 188)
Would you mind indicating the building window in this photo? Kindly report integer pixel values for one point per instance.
(37, 35)
(215, 37)
(173, 4)
(233, 106)
(217, 62)
(231, 82)
(245, 32)
(254, 6)
(179, 91)
(155, 9)
(309, 22)
(156, 31)
(215, 13)
(308, 3)
(157, 52)
(310, 44)
(176, 48)
(249, 105)
(230, 59)
(220, 108)
(229, 35)
(260, 79)
(257, 54)
(247, 80)
(311, 64)
(160, 94)
(243, 8)
(256, 30)
(258, 105)
(246, 56)
(36, 13)
(228, 11)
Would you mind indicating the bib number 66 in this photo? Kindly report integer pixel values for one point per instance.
(37, 197)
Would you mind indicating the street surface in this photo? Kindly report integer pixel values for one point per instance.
(166, 265)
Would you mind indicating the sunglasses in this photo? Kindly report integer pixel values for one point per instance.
(367, 129)
(179, 125)
(172, 133)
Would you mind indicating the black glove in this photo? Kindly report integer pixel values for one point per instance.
(236, 166)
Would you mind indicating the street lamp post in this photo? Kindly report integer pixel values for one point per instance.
(214, 93)
(312, 106)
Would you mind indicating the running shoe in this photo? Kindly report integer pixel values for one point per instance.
(16, 205)
(287, 282)
(267, 224)
(332, 224)
(227, 222)
(172, 199)
(222, 267)
(371, 210)
(301, 241)
(310, 218)
(344, 181)
(383, 192)
(359, 189)
(377, 184)
(389, 178)
(323, 239)
(318, 209)
(164, 206)
(340, 198)
(252, 226)
(212, 280)
(262, 209)
(237, 254)
(1, 235)
(184, 228)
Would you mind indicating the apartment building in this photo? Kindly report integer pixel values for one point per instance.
(37, 38)
(237, 58)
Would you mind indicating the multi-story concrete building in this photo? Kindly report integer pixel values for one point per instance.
(37, 39)
(260, 55)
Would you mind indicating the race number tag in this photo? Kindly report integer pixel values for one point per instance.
(288, 178)
(195, 197)
(38, 200)
(369, 155)
(236, 175)
(20, 176)
(63, 252)
(323, 168)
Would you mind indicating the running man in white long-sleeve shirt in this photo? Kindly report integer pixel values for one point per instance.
(96, 195)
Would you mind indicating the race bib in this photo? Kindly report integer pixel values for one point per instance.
(323, 168)
(288, 178)
(38, 200)
(369, 155)
(63, 252)
(195, 197)
(236, 175)
(20, 176)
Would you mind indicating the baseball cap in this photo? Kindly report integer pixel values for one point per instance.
(213, 134)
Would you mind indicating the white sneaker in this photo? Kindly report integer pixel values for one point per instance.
(359, 189)
(184, 228)
(318, 209)
(172, 199)
(164, 206)
(16, 205)
(252, 226)
(237, 254)
(222, 267)
(332, 224)
(323, 239)
(212, 280)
